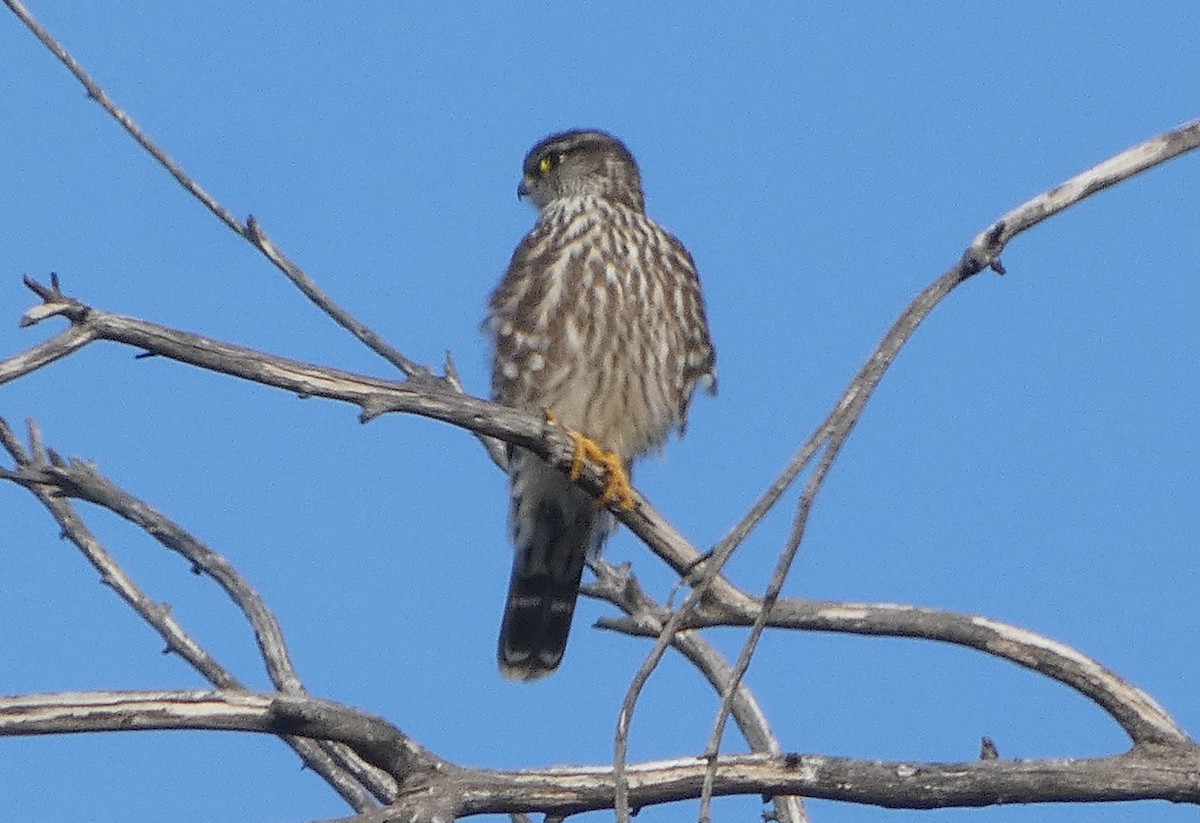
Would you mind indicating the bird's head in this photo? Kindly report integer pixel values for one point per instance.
(579, 163)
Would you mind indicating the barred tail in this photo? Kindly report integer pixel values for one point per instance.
(554, 525)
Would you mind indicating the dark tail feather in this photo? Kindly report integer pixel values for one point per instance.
(554, 524)
(537, 621)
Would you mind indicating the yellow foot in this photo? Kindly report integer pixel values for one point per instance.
(617, 488)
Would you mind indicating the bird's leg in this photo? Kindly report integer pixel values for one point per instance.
(617, 486)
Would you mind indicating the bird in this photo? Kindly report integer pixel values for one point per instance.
(599, 323)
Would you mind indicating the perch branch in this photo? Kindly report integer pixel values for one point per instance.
(375, 396)
(430, 398)
(251, 230)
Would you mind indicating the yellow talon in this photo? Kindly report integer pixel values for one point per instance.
(584, 448)
(617, 487)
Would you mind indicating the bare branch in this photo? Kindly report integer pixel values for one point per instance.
(251, 230)
(437, 790)
(377, 741)
(1138, 714)
(80, 480)
(30, 360)
(984, 252)
(619, 587)
(375, 396)
(986, 248)
(254, 232)
(1139, 775)
(29, 474)
(51, 483)
(707, 579)
(666, 637)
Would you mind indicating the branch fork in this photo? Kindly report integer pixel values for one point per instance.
(384, 775)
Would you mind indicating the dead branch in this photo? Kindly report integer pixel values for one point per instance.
(436, 790)
(1162, 750)
(374, 396)
(983, 253)
(52, 481)
(1138, 714)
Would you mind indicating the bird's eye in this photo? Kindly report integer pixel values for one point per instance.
(549, 161)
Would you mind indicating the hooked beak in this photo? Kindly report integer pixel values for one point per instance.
(522, 189)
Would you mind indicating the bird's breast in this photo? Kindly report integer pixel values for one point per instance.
(590, 323)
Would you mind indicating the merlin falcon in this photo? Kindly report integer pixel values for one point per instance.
(599, 324)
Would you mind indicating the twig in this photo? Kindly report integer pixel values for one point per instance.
(29, 473)
(619, 587)
(250, 230)
(983, 253)
(43, 354)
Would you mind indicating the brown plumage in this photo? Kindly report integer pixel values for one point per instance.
(600, 321)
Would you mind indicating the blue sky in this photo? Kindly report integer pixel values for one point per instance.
(1031, 457)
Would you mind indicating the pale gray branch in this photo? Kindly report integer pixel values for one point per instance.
(435, 790)
(983, 253)
(43, 354)
(52, 480)
(30, 474)
(985, 249)
(250, 230)
(1138, 714)
(375, 396)
(619, 587)
(1141, 774)
(301, 716)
